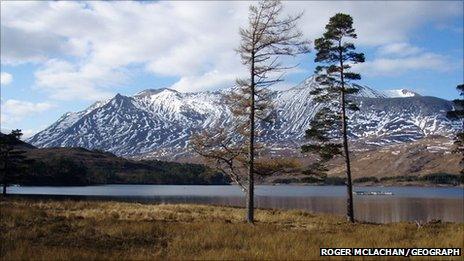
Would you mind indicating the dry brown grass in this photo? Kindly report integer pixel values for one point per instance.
(90, 230)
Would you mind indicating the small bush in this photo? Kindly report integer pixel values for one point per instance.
(334, 181)
(400, 178)
(442, 178)
(311, 179)
(286, 180)
(366, 179)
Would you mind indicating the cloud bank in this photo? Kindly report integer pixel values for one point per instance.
(14, 111)
(85, 48)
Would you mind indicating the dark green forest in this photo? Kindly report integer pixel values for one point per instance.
(63, 171)
(79, 166)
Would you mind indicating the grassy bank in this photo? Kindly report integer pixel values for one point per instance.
(87, 230)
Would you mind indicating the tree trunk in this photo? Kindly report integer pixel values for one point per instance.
(349, 185)
(250, 194)
(5, 175)
(349, 201)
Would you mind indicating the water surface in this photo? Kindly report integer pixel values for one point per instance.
(406, 203)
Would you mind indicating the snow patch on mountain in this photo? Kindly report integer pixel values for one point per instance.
(401, 93)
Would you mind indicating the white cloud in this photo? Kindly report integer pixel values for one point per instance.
(66, 81)
(84, 48)
(399, 49)
(400, 58)
(207, 81)
(5, 78)
(14, 111)
(376, 22)
(400, 65)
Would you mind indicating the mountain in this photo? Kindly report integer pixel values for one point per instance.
(158, 123)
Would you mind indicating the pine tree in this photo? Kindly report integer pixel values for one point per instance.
(458, 114)
(11, 159)
(266, 37)
(330, 125)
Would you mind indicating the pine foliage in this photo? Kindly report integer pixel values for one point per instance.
(11, 159)
(327, 134)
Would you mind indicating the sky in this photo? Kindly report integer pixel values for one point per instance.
(58, 57)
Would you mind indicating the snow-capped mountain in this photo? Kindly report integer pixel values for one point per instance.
(401, 93)
(159, 122)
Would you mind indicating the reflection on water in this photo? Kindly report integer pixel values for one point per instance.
(407, 203)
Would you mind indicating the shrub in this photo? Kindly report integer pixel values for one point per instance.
(366, 179)
(442, 178)
(335, 181)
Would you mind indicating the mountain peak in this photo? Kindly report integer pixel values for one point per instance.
(310, 83)
(305, 83)
(118, 99)
(149, 92)
(400, 93)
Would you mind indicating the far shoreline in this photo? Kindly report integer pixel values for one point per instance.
(412, 184)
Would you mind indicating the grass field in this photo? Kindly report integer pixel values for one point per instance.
(86, 230)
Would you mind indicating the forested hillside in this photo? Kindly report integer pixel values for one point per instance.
(78, 166)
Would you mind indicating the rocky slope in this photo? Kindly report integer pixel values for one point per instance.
(418, 158)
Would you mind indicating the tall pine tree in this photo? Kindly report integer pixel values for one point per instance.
(458, 114)
(11, 159)
(330, 125)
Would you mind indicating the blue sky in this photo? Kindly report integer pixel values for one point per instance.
(63, 56)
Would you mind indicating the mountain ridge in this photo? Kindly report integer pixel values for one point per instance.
(159, 122)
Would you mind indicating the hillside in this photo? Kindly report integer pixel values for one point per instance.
(79, 166)
(18, 144)
(426, 161)
(426, 156)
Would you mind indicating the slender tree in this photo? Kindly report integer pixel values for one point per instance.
(336, 55)
(267, 37)
(10, 158)
(458, 114)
